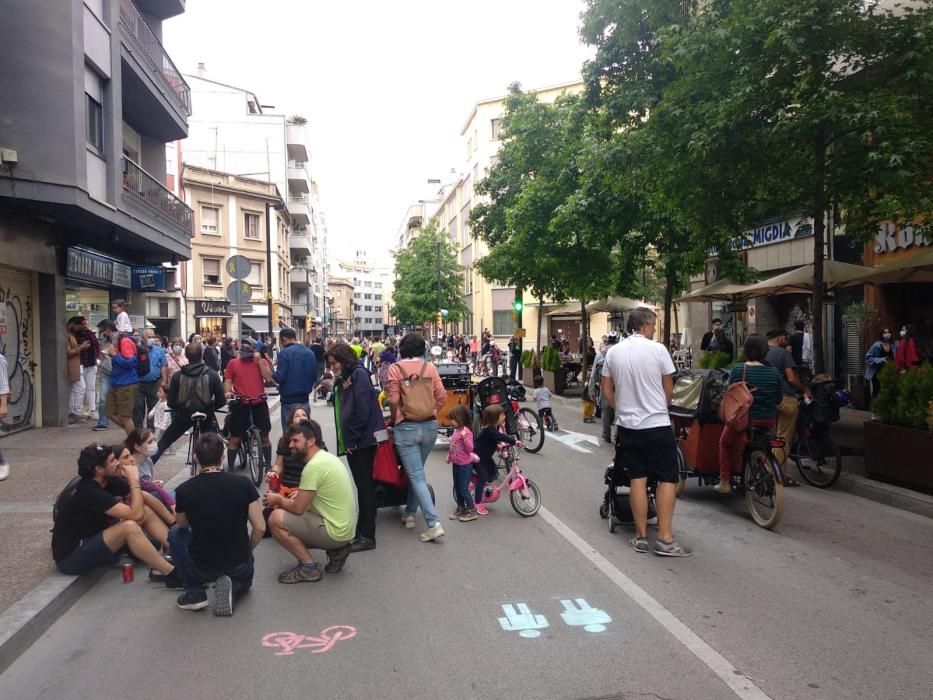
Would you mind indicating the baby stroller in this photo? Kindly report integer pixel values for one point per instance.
(616, 506)
(493, 390)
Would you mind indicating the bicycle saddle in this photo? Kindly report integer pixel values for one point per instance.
(198, 415)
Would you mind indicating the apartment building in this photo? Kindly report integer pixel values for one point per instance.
(90, 98)
(232, 131)
(339, 322)
(371, 289)
(231, 219)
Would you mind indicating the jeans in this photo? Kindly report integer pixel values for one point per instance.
(462, 474)
(76, 399)
(194, 577)
(361, 466)
(146, 400)
(414, 442)
(609, 417)
(513, 367)
(104, 380)
(287, 409)
(90, 385)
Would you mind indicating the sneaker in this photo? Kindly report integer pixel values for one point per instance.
(4, 469)
(723, 487)
(408, 521)
(468, 515)
(362, 544)
(302, 574)
(639, 544)
(336, 558)
(100, 427)
(432, 533)
(192, 601)
(223, 597)
(172, 581)
(671, 549)
(481, 509)
(457, 514)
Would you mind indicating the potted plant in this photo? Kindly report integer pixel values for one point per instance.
(530, 368)
(898, 443)
(551, 370)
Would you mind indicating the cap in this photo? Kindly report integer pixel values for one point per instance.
(248, 341)
(612, 337)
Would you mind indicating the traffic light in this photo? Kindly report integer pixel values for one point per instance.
(517, 306)
(438, 319)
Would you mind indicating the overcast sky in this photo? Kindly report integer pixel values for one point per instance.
(386, 86)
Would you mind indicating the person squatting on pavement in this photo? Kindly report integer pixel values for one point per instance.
(85, 536)
(638, 380)
(211, 542)
(322, 515)
(295, 373)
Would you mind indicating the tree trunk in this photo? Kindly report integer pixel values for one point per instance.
(670, 279)
(585, 337)
(540, 319)
(819, 237)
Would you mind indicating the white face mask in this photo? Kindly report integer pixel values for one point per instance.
(903, 334)
(151, 449)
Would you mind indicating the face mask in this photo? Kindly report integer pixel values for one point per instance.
(903, 334)
(246, 355)
(886, 336)
(177, 349)
(151, 449)
(150, 342)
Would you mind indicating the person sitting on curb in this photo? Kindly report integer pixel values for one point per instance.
(322, 515)
(83, 538)
(211, 542)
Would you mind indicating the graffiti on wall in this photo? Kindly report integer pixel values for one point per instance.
(16, 343)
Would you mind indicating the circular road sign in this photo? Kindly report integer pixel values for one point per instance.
(238, 267)
(239, 292)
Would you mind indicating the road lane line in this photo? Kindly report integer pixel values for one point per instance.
(739, 683)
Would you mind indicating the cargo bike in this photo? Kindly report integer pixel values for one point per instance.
(756, 471)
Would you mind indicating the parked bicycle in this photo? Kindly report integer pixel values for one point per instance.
(813, 450)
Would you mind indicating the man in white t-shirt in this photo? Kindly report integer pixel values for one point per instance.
(122, 321)
(638, 379)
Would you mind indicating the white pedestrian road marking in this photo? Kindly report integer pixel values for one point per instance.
(738, 682)
(573, 440)
(578, 613)
(518, 618)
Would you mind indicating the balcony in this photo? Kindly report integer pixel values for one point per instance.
(141, 188)
(300, 276)
(300, 210)
(301, 242)
(298, 177)
(152, 56)
(299, 310)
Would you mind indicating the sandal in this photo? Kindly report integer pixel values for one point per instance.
(791, 482)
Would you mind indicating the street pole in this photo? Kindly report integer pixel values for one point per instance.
(269, 213)
(439, 300)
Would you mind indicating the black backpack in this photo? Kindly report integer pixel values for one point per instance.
(194, 391)
(64, 496)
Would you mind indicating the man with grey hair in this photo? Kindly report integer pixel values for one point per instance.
(638, 379)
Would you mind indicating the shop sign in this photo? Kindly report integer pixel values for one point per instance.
(121, 275)
(211, 309)
(889, 238)
(776, 232)
(148, 277)
(83, 265)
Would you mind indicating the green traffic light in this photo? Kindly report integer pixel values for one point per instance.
(517, 305)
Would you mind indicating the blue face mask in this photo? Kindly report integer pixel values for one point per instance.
(246, 354)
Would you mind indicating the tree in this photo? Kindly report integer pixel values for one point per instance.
(819, 106)
(414, 299)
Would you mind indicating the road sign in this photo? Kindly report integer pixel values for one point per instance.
(239, 292)
(519, 333)
(238, 267)
(444, 313)
(241, 308)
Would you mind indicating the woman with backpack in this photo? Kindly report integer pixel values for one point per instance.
(764, 383)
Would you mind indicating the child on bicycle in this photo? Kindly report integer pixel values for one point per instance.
(489, 437)
(460, 456)
(542, 397)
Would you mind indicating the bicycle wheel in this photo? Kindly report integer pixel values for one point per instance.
(817, 458)
(526, 506)
(255, 457)
(530, 430)
(682, 471)
(764, 495)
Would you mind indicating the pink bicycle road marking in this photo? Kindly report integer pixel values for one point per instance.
(287, 642)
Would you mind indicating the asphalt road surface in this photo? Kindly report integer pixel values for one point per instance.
(835, 603)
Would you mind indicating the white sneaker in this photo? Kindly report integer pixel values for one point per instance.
(432, 533)
(408, 521)
(4, 469)
(723, 487)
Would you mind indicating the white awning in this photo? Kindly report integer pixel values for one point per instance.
(259, 325)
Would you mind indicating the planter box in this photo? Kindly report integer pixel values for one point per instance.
(528, 376)
(899, 455)
(555, 381)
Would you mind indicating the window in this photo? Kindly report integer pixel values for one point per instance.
(255, 278)
(496, 125)
(367, 308)
(377, 297)
(211, 268)
(210, 219)
(502, 323)
(377, 308)
(251, 226)
(367, 283)
(95, 124)
(378, 285)
(338, 293)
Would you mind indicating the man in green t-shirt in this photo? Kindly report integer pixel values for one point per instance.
(322, 514)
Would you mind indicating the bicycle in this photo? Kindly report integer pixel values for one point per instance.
(528, 423)
(813, 450)
(250, 451)
(524, 494)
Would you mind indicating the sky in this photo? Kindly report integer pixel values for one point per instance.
(386, 87)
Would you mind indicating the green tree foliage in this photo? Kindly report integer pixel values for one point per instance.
(414, 299)
(783, 106)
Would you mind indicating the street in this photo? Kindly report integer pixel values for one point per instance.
(834, 603)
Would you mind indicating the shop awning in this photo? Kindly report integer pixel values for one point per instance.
(916, 268)
(615, 305)
(259, 325)
(800, 281)
(722, 290)
(565, 310)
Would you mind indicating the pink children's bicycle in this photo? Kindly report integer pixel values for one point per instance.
(523, 492)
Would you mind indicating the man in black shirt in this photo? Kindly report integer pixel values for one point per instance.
(211, 542)
(85, 537)
(708, 336)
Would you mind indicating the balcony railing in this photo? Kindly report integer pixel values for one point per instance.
(155, 54)
(153, 193)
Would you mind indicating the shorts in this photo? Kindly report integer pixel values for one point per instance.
(309, 527)
(649, 453)
(91, 553)
(120, 401)
(546, 411)
(238, 419)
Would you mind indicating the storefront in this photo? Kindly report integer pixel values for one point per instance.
(212, 318)
(92, 282)
(18, 311)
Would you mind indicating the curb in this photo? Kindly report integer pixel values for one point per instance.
(888, 494)
(29, 617)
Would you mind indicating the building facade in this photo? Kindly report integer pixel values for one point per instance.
(340, 318)
(371, 289)
(90, 98)
(230, 219)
